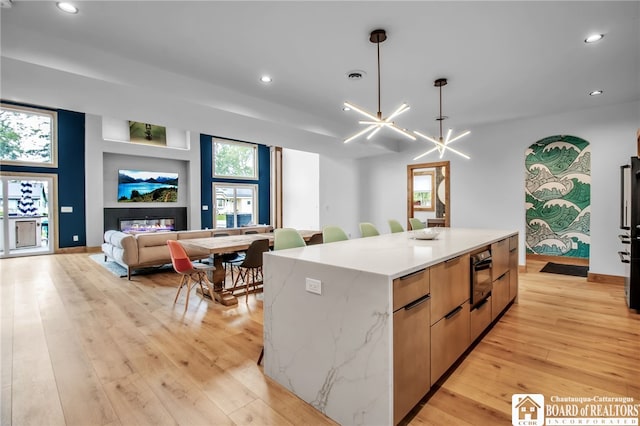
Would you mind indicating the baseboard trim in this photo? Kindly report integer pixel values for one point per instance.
(605, 279)
(558, 259)
(67, 250)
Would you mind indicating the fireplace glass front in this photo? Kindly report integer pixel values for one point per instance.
(135, 226)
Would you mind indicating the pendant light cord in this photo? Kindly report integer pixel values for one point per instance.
(379, 110)
(440, 118)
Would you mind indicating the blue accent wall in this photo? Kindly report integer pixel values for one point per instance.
(263, 182)
(71, 175)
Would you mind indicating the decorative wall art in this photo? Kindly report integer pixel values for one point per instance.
(135, 186)
(558, 197)
(147, 133)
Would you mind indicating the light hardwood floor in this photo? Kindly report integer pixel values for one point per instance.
(80, 346)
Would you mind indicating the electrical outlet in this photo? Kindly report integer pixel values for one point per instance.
(205, 207)
(314, 286)
(75, 238)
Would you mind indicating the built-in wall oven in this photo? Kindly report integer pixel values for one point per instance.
(481, 284)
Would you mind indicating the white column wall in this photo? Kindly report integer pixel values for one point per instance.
(488, 190)
(339, 187)
(300, 189)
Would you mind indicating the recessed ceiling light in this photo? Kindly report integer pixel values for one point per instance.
(67, 7)
(596, 93)
(593, 38)
(266, 79)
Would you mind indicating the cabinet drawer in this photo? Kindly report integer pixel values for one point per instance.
(513, 273)
(449, 340)
(513, 242)
(500, 256)
(409, 288)
(450, 282)
(499, 295)
(411, 351)
(479, 320)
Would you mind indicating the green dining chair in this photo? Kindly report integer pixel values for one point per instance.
(331, 234)
(368, 230)
(395, 226)
(284, 238)
(416, 224)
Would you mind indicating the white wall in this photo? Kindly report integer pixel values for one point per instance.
(103, 157)
(300, 189)
(488, 190)
(339, 187)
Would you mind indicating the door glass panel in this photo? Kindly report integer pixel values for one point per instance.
(27, 216)
(235, 205)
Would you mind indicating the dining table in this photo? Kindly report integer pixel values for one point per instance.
(217, 246)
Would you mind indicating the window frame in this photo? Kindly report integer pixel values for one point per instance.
(255, 201)
(53, 146)
(253, 146)
(432, 205)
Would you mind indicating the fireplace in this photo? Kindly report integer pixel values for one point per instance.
(146, 219)
(156, 224)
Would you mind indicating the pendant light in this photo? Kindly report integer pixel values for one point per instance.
(376, 122)
(442, 144)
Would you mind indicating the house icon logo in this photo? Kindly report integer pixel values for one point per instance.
(527, 409)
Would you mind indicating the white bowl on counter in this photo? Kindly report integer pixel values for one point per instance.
(426, 234)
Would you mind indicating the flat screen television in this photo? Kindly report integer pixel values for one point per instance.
(137, 186)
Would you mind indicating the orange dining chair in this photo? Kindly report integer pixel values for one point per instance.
(191, 273)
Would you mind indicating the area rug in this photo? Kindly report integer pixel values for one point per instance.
(574, 270)
(121, 272)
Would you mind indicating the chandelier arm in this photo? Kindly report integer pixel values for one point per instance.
(458, 152)
(460, 136)
(374, 132)
(425, 153)
(400, 110)
(359, 133)
(430, 139)
(361, 111)
(402, 132)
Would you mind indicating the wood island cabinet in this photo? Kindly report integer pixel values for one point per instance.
(411, 342)
(513, 267)
(450, 288)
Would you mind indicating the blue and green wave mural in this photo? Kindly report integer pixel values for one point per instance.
(558, 196)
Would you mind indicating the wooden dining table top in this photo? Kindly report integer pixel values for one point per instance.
(233, 243)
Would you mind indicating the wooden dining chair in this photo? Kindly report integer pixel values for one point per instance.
(190, 272)
(250, 268)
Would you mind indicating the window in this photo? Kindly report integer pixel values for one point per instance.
(236, 205)
(28, 136)
(423, 189)
(236, 160)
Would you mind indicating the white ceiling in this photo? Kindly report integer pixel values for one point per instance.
(504, 60)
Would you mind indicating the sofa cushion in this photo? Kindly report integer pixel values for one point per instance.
(154, 239)
(121, 247)
(183, 235)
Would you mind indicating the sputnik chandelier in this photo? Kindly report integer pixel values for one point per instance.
(377, 122)
(442, 144)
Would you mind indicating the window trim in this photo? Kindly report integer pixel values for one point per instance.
(54, 136)
(254, 146)
(256, 200)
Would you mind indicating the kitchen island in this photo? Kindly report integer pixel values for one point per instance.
(361, 329)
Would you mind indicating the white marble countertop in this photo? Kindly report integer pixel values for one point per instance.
(395, 255)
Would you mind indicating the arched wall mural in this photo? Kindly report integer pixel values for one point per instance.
(558, 197)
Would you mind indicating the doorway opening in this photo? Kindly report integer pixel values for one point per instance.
(27, 214)
(428, 193)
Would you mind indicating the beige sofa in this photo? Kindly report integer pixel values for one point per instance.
(134, 251)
